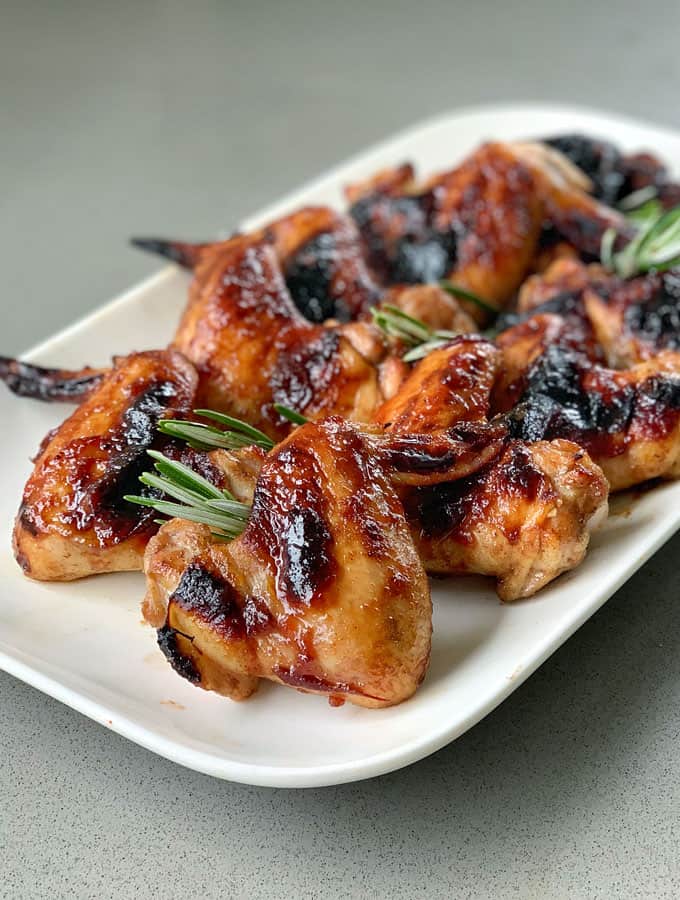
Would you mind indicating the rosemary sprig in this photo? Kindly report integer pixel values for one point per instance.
(193, 498)
(655, 246)
(416, 334)
(237, 434)
(396, 323)
(294, 417)
(207, 437)
(462, 294)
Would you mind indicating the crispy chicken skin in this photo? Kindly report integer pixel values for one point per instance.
(477, 224)
(480, 223)
(252, 347)
(451, 384)
(523, 520)
(628, 420)
(466, 476)
(319, 251)
(73, 520)
(631, 320)
(323, 591)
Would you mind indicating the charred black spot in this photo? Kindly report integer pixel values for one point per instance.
(167, 641)
(127, 457)
(140, 419)
(121, 477)
(427, 259)
(306, 554)
(27, 521)
(288, 526)
(600, 160)
(658, 320)
(305, 370)
(309, 277)
(442, 509)
(212, 599)
(401, 246)
(555, 404)
(664, 391)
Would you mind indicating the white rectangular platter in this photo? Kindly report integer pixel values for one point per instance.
(84, 643)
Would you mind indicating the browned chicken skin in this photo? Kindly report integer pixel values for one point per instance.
(523, 520)
(73, 520)
(631, 320)
(628, 420)
(526, 516)
(319, 252)
(253, 349)
(323, 591)
(476, 503)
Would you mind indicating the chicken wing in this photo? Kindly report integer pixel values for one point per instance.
(319, 251)
(630, 319)
(523, 520)
(253, 348)
(477, 225)
(323, 591)
(73, 520)
(526, 515)
(628, 420)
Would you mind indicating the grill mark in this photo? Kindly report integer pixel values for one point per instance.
(306, 370)
(454, 509)
(288, 524)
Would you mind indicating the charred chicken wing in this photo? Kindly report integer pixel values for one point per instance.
(323, 591)
(73, 520)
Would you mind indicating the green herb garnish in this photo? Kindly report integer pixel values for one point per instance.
(461, 293)
(411, 331)
(193, 498)
(295, 417)
(655, 246)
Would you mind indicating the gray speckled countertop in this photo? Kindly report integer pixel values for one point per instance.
(181, 118)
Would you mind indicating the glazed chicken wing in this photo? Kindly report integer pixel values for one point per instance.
(523, 520)
(631, 320)
(627, 420)
(73, 520)
(477, 225)
(323, 591)
(253, 349)
(319, 251)
(526, 515)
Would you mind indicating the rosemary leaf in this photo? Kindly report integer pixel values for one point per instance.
(295, 417)
(203, 437)
(185, 477)
(239, 427)
(451, 288)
